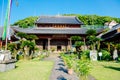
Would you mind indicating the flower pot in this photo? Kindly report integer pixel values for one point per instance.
(70, 71)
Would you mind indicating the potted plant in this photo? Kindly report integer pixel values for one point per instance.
(83, 68)
(69, 66)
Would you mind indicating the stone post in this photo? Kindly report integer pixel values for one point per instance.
(49, 43)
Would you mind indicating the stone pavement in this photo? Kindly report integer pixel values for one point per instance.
(59, 71)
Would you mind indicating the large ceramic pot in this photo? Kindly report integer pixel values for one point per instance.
(70, 71)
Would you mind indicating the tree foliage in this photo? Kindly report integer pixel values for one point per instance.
(26, 36)
(91, 32)
(32, 37)
(94, 19)
(92, 39)
(27, 44)
(12, 46)
(86, 19)
(21, 35)
(76, 38)
(79, 43)
(27, 22)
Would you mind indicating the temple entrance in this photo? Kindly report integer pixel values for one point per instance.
(44, 43)
(58, 48)
(53, 44)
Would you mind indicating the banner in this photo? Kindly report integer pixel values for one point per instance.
(6, 30)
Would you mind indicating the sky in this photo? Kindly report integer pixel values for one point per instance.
(26, 8)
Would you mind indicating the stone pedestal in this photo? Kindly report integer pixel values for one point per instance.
(93, 55)
(6, 63)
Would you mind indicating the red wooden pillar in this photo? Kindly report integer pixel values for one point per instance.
(0, 44)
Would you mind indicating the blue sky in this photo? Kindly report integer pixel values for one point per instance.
(53, 7)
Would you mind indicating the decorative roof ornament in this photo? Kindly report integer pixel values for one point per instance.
(111, 24)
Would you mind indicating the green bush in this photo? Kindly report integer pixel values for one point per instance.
(83, 67)
(87, 53)
(41, 57)
(68, 59)
(105, 55)
(118, 58)
(20, 57)
(69, 63)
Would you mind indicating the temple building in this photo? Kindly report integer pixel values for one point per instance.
(113, 35)
(110, 24)
(54, 32)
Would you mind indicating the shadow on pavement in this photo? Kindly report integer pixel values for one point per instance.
(61, 64)
(62, 69)
(61, 78)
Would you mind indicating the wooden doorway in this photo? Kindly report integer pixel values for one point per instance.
(58, 48)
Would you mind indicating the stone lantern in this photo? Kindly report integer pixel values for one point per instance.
(6, 62)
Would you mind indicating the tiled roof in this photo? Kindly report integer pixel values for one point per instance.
(53, 30)
(111, 33)
(58, 20)
(116, 27)
(1, 31)
(113, 37)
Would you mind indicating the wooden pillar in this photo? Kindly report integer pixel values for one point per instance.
(69, 43)
(48, 43)
(0, 44)
(84, 43)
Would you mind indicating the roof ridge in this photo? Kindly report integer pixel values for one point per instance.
(78, 20)
(57, 16)
(59, 19)
(60, 28)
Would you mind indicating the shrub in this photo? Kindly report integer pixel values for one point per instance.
(83, 67)
(105, 55)
(87, 53)
(69, 63)
(118, 58)
(41, 57)
(20, 57)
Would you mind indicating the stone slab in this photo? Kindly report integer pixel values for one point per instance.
(6, 67)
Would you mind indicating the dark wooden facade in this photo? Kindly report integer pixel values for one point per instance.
(112, 35)
(59, 25)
